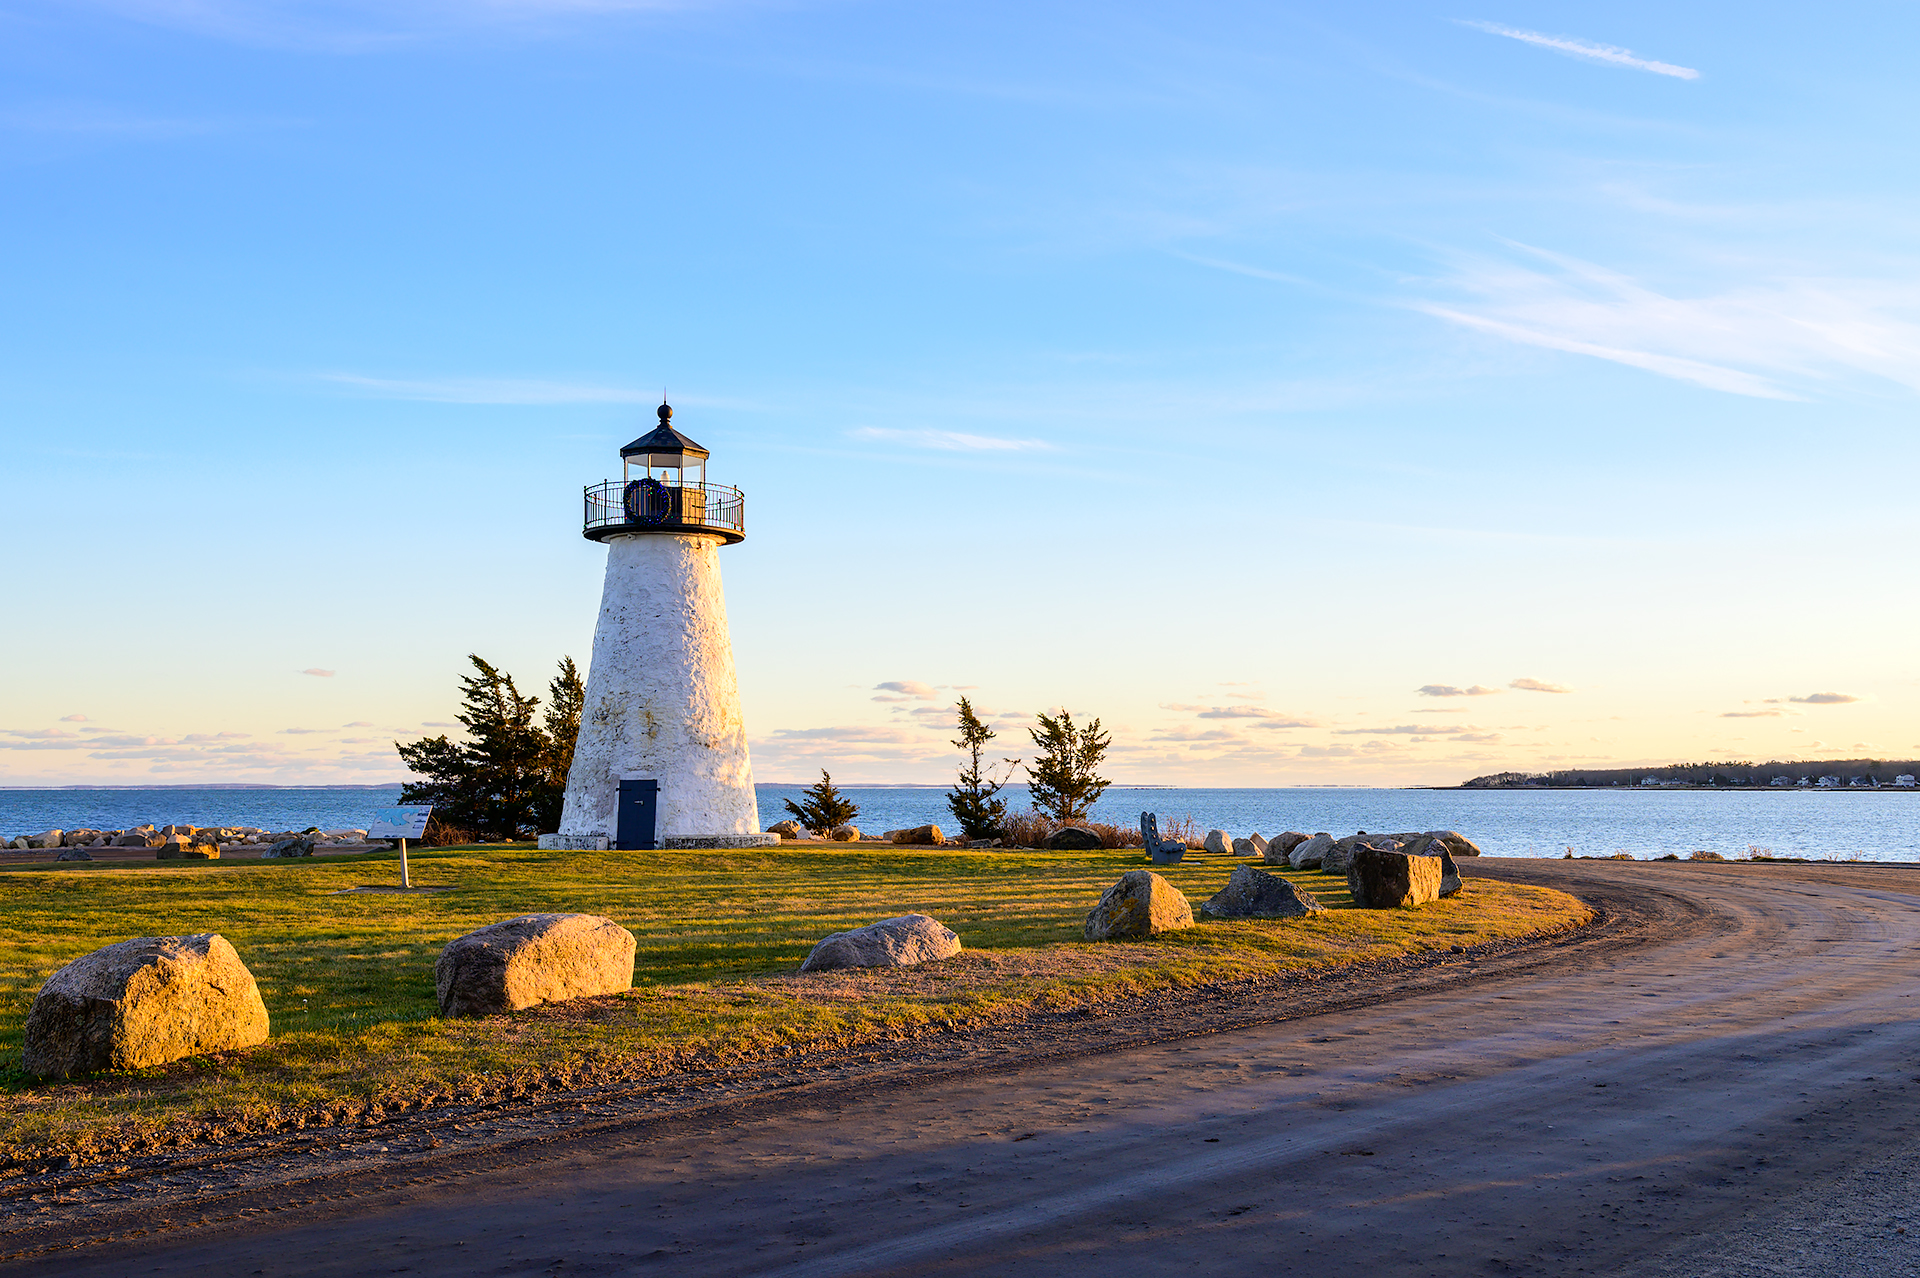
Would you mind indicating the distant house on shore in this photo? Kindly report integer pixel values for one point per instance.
(1904, 781)
(1829, 783)
(1783, 780)
(1804, 781)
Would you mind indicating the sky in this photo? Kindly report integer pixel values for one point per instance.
(1314, 393)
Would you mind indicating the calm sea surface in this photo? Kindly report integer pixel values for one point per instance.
(1882, 825)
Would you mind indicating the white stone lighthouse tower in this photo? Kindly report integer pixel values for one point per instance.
(661, 759)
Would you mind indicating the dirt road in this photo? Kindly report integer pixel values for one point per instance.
(1725, 1080)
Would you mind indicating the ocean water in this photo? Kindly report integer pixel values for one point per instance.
(1874, 825)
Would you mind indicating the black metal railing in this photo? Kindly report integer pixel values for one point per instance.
(640, 504)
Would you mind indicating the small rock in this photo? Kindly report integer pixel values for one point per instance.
(1218, 842)
(1255, 894)
(786, 829)
(536, 958)
(1309, 853)
(906, 941)
(1387, 878)
(143, 1002)
(1072, 838)
(846, 834)
(1140, 905)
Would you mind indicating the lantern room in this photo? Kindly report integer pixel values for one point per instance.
(663, 488)
(664, 454)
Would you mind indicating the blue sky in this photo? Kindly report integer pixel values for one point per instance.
(1230, 372)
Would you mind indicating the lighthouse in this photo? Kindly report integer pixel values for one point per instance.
(661, 759)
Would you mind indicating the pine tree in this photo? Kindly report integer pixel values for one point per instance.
(566, 696)
(972, 802)
(1064, 781)
(491, 782)
(823, 807)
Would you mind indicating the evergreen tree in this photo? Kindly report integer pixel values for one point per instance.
(566, 695)
(491, 782)
(822, 807)
(1064, 781)
(972, 802)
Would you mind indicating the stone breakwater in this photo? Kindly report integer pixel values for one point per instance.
(224, 837)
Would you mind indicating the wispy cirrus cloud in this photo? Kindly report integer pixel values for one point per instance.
(1448, 690)
(1538, 685)
(1588, 50)
(1752, 714)
(367, 26)
(1824, 699)
(318, 673)
(951, 441)
(1785, 337)
(488, 390)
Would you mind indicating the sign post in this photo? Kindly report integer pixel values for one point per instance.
(401, 824)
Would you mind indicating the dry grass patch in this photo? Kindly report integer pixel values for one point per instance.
(348, 979)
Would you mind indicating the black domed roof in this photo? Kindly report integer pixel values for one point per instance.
(663, 439)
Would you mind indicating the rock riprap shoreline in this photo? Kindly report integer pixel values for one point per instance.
(198, 841)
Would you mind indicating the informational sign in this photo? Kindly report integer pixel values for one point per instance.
(400, 823)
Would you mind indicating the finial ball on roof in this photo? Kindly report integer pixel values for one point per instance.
(664, 413)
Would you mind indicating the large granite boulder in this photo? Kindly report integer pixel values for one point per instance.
(141, 1003)
(920, 836)
(46, 839)
(536, 958)
(1308, 854)
(178, 848)
(135, 839)
(786, 829)
(1247, 847)
(1140, 905)
(903, 942)
(79, 838)
(1457, 843)
(1073, 838)
(1218, 842)
(1434, 845)
(1339, 857)
(288, 848)
(1255, 894)
(845, 834)
(74, 854)
(1281, 845)
(1387, 878)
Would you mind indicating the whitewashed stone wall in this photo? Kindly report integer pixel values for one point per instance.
(662, 700)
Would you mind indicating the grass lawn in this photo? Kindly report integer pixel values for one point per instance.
(348, 979)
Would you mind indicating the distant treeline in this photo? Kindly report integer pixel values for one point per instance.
(1870, 771)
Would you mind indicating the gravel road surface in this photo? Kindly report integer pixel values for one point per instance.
(1722, 1078)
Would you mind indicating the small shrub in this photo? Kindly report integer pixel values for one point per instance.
(1705, 856)
(1030, 830)
(441, 835)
